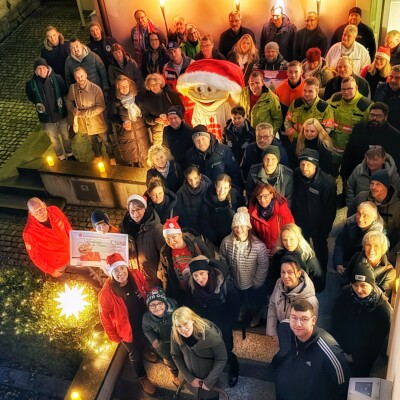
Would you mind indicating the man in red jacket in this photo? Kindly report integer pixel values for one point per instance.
(46, 237)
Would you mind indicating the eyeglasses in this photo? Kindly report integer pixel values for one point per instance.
(40, 210)
(136, 210)
(302, 320)
(205, 46)
(264, 196)
(155, 306)
(347, 89)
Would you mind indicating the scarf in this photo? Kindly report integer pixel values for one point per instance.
(366, 302)
(311, 72)
(266, 213)
(242, 59)
(128, 102)
(164, 171)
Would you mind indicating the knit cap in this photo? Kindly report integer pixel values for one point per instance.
(383, 52)
(381, 176)
(200, 130)
(39, 62)
(177, 110)
(309, 155)
(199, 263)
(271, 149)
(137, 197)
(241, 218)
(171, 226)
(363, 274)
(355, 10)
(113, 261)
(272, 46)
(99, 216)
(156, 294)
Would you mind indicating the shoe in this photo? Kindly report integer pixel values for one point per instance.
(147, 386)
(113, 161)
(72, 158)
(233, 370)
(255, 321)
(97, 160)
(175, 380)
(150, 355)
(233, 377)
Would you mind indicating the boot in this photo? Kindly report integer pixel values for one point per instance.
(233, 371)
(147, 386)
(255, 321)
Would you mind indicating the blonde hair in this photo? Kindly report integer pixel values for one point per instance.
(383, 240)
(304, 248)
(183, 315)
(252, 52)
(323, 136)
(154, 77)
(153, 150)
(384, 72)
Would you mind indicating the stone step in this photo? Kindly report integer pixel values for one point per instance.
(23, 185)
(31, 168)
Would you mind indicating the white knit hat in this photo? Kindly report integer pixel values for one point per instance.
(241, 218)
(137, 197)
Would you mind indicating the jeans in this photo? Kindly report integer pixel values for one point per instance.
(135, 353)
(54, 130)
(96, 141)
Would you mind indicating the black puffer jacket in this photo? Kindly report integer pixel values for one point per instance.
(165, 209)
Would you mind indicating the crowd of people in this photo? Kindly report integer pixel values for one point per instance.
(234, 228)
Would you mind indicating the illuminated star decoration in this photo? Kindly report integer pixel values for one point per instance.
(72, 301)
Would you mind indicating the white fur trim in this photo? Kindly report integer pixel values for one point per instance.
(111, 268)
(171, 231)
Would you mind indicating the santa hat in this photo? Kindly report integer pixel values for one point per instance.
(114, 261)
(383, 52)
(171, 226)
(219, 74)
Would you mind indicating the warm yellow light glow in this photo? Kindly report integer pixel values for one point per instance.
(162, 3)
(101, 166)
(397, 285)
(50, 161)
(72, 301)
(75, 396)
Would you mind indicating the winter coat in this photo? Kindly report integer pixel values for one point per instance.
(48, 248)
(248, 265)
(268, 231)
(281, 300)
(281, 180)
(146, 245)
(133, 144)
(129, 69)
(267, 108)
(384, 273)
(373, 80)
(287, 94)
(189, 201)
(113, 312)
(238, 141)
(392, 99)
(362, 330)
(325, 155)
(314, 202)
(56, 55)
(102, 48)
(284, 36)
(205, 360)
(334, 86)
(149, 66)
(395, 56)
(94, 67)
(279, 64)
(90, 103)
(164, 210)
(48, 96)
(216, 160)
(306, 39)
(323, 73)
(247, 68)
(215, 217)
(253, 155)
(174, 179)
(349, 240)
(316, 370)
(216, 55)
(191, 49)
(311, 266)
(361, 175)
(159, 329)
(179, 141)
(197, 247)
(362, 138)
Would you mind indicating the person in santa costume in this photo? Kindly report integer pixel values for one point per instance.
(214, 86)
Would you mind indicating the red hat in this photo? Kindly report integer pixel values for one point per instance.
(171, 226)
(219, 74)
(383, 52)
(113, 261)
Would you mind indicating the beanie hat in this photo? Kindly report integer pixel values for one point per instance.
(381, 176)
(199, 263)
(137, 197)
(272, 46)
(171, 226)
(309, 155)
(38, 62)
(355, 10)
(383, 52)
(200, 130)
(220, 74)
(172, 45)
(113, 261)
(241, 218)
(363, 274)
(271, 149)
(177, 110)
(99, 216)
(156, 294)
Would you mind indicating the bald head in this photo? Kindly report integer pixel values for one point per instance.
(37, 208)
